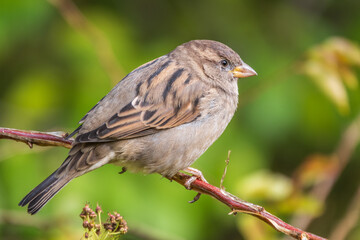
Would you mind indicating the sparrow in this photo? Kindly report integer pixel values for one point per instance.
(159, 118)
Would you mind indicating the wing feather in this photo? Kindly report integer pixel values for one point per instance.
(162, 102)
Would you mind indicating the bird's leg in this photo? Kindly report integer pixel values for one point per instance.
(123, 170)
(196, 174)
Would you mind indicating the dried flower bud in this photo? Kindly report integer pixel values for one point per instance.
(92, 215)
(87, 209)
(91, 226)
(85, 224)
(118, 217)
(108, 226)
(115, 227)
(86, 235)
(123, 230)
(124, 227)
(111, 218)
(82, 215)
(98, 209)
(97, 226)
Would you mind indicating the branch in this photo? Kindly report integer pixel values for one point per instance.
(37, 138)
(238, 205)
(235, 204)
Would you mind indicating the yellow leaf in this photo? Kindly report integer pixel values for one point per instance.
(330, 67)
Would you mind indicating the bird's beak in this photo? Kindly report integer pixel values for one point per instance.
(243, 71)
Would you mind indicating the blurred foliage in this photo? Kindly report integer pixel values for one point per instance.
(52, 73)
(330, 66)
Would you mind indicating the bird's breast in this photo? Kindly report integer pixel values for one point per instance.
(174, 149)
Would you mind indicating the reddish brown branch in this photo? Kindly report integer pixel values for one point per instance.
(35, 137)
(235, 204)
(238, 205)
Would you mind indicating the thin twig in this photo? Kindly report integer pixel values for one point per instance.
(349, 221)
(236, 205)
(79, 22)
(225, 170)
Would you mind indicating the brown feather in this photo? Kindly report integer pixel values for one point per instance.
(148, 113)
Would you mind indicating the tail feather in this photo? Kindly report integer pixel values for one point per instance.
(40, 188)
(47, 189)
(37, 203)
(80, 160)
(41, 194)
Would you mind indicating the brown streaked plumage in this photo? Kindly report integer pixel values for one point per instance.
(159, 119)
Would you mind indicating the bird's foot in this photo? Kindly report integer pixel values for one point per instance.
(196, 174)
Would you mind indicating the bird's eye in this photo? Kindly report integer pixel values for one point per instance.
(224, 62)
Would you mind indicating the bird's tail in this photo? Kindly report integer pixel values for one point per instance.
(81, 159)
(46, 190)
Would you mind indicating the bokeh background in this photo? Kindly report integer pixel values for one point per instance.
(293, 140)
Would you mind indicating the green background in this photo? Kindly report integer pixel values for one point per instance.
(51, 74)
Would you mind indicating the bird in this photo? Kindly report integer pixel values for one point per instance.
(159, 118)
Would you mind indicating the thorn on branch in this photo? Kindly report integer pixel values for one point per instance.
(29, 144)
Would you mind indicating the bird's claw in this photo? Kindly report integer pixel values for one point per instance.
(195, 198)
(123, 170)
(196, 174)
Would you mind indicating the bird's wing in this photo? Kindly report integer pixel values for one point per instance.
(119, 95)
(168, 98)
